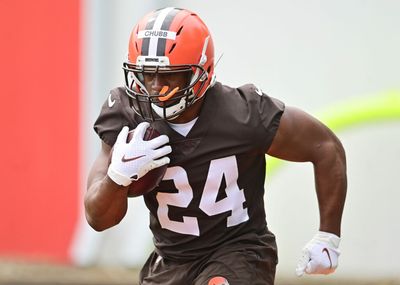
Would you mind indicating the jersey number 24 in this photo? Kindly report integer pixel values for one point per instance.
(233, 201)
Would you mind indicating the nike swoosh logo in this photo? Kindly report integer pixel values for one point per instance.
(124, 159)
(329, 256)
(110, 101)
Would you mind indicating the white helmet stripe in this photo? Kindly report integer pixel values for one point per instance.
(157, 26)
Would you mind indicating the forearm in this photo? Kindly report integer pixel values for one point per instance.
(331, 187)
(105, 203)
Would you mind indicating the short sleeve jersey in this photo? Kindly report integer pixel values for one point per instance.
(213, 191)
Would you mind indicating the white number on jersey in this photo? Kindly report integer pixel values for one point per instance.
(181, 199)
(219, 168)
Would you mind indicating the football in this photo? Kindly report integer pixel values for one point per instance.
(152, 178)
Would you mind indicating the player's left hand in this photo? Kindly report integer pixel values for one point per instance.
(320, 255)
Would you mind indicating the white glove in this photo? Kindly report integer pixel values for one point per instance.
(130, 161)
(320, 255)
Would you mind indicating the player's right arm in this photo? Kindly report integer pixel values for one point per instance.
(105, 201)
(115, 169)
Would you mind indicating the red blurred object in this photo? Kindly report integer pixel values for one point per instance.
(41, 169)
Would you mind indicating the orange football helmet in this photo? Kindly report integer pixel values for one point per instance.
(169, 40)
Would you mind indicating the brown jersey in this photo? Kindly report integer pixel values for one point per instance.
(212, 194)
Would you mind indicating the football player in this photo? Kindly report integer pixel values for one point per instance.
(207, 215)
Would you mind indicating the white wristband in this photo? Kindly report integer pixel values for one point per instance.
(118, 177)
(328, 238)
